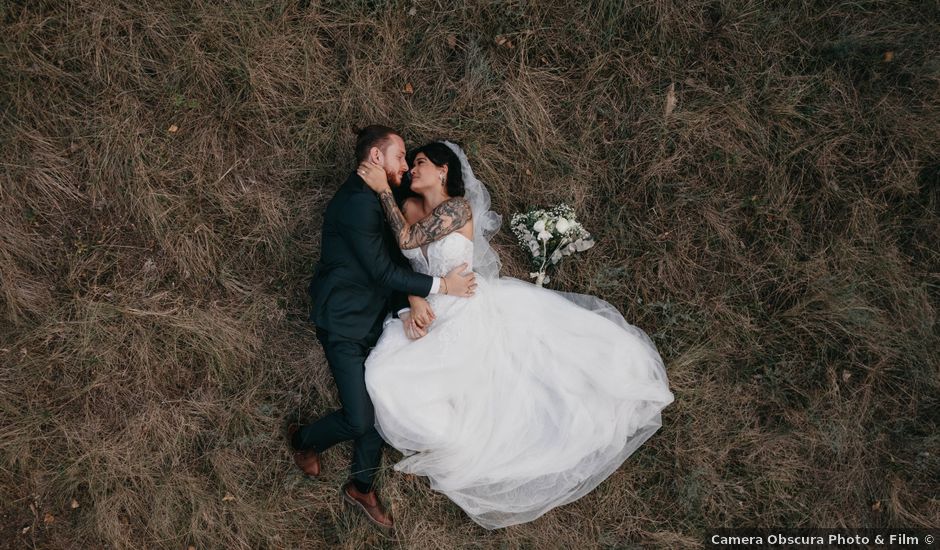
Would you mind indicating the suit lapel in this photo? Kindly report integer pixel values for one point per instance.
(355, 184)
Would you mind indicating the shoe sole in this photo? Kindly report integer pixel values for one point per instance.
(350, 500)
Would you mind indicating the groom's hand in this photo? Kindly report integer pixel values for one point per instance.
(421, 311)
(458, 283)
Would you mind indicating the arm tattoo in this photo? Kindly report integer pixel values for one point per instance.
(394, 215)
(449, 216)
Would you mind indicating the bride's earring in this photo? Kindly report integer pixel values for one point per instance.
(442, 178)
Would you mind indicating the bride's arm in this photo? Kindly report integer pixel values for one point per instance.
(449, 216)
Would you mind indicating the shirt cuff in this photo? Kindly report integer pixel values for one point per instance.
(435, 286)
(403, 311)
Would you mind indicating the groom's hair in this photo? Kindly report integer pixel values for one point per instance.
(373, 135)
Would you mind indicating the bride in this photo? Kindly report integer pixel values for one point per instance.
(514, 401)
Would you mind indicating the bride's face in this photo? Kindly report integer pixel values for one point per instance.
(426, 175)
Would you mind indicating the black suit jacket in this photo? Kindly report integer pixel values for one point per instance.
(360, 266)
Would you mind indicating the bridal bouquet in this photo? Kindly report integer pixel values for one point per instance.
(550, 235)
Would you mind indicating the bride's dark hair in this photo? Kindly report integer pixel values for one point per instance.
(440, 155)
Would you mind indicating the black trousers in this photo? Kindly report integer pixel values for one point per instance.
(355, 420)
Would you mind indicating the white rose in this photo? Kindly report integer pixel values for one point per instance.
(544, 236)
(539, 226)
(584, 245)
(562, 225)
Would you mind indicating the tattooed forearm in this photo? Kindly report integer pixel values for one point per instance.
(449, 216)
(395, 218)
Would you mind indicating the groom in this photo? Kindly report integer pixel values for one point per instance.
(361, 276)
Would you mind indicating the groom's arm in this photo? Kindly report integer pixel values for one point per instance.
(363, 226)
(398, 301)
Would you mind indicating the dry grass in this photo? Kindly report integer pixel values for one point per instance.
(776, 233)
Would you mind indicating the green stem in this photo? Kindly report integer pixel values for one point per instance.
(563, 241)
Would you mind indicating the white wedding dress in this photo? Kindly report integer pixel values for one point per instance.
(519, 399)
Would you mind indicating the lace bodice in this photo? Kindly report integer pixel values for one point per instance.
(443, 255)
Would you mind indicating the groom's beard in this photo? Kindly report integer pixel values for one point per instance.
(403, 191)
(405, 181)
(394, 178)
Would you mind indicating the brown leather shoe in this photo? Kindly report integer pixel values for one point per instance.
(308, 461)
(369, 504)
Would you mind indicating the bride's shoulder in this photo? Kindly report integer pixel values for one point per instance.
(460, 214)
(458, 206)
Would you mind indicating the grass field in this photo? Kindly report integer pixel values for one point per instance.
(763, 180)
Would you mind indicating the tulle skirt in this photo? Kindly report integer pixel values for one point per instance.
(518, 400)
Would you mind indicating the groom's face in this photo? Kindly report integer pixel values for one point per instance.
(393, 160)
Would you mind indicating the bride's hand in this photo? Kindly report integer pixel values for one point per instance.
(412, 331)
(374, 176)
(421, 311)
